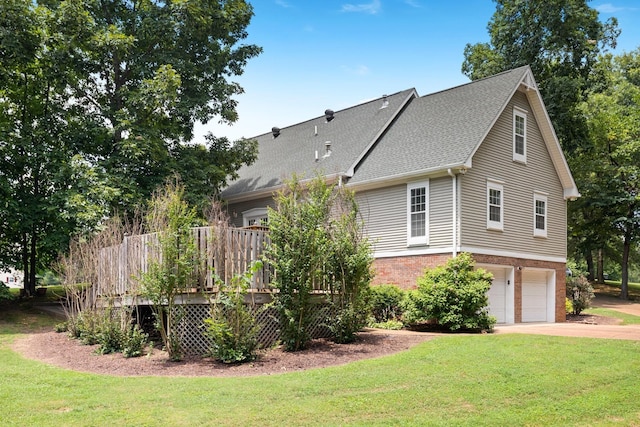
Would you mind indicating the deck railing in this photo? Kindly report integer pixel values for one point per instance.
(226, 253)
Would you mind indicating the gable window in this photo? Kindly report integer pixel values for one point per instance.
(417, 213)
(256, 217)
(539, 215)
(495, 205)
(519, 135)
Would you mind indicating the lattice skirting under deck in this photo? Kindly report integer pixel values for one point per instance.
(194, 340)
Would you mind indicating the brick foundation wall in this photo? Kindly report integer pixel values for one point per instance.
(404, 271)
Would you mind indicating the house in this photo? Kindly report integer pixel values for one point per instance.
(476, 168)
(11, 278)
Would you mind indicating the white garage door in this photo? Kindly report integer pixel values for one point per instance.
(498, 294)
(534, 296)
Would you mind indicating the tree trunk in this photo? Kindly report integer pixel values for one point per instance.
(626, 250)
(28, 285)
(600, 266)
(590, 267)
(33, 261)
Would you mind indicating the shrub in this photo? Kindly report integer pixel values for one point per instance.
(413, 308)
(61, 327)
(5, 293)
(393, 325)
(579, 292)
(347, 267)
(109, 336)
(568, 307)
(232, 326)
(385, 302)
(134, 342)
(456, 295)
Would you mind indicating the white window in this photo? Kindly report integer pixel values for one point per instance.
(418, 213)
(519, 135)
(540, 215)
(255, 217)
(495, 205)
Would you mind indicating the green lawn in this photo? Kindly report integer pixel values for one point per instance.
(452, 380)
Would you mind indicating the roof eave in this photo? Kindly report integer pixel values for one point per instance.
(409, 176)
(268, 192)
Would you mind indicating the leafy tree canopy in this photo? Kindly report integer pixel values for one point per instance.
(613, 177)
(98, 99)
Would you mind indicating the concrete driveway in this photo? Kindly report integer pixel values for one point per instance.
(627, 332)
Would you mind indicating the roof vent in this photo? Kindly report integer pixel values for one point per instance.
(385, 102)
(275, 131)
(328, 114)
(327, 148)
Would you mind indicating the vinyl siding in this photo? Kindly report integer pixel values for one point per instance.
(384, 212)
(494, 160)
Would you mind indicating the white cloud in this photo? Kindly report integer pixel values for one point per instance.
(360, 70)
(371, 8)
(283, 3)
(608, 8)
(413, 3)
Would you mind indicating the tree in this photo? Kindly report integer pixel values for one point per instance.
(36, 140)
(97, 103)
(155, 68)
(612, 111)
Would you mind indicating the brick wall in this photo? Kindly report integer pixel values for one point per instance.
(404, 271)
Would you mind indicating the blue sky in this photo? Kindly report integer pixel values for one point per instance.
(335, 54)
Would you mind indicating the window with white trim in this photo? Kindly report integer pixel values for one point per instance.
(495, 206)
(418, 213)
(255, 217)
(519, 135)
(540, 215)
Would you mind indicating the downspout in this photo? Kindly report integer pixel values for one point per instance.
(454, 180)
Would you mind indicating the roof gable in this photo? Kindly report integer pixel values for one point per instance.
(444, 130)
(440, 130)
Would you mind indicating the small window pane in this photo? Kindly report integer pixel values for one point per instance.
(418, 222)
(418, 212)
(494, 205)
(540, 214)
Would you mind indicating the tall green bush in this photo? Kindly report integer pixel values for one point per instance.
(316, 242)
(347, 268)
(173, 271)
(297, 249)
(456, 295)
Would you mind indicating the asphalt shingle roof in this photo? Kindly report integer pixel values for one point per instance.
(350, 132)
(418, 134)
